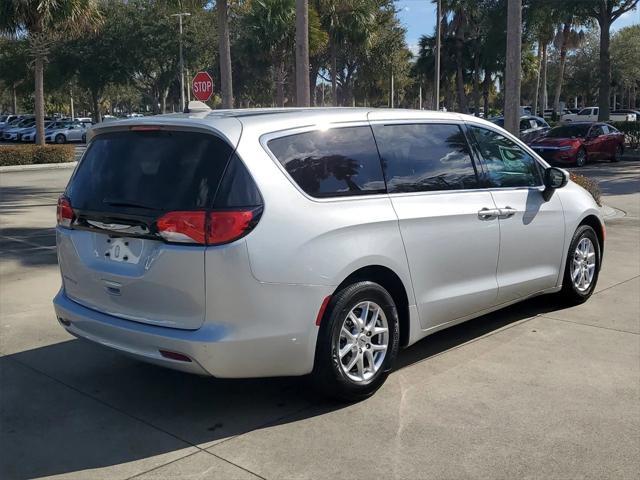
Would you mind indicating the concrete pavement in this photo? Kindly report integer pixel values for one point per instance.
(535, 391)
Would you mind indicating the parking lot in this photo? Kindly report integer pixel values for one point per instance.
(536, 390)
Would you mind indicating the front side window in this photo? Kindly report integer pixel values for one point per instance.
(506, 164)
(332, 163)
(425, 157)
(586, 111)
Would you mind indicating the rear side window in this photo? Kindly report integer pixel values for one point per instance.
(330, 163)
(425, 157)
(134, 171)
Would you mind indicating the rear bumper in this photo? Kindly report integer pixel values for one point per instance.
(214, 349)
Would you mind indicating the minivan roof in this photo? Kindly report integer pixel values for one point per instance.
(230, 123)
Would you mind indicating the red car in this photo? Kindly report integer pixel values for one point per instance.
(579, 142)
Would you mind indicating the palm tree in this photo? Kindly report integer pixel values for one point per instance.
(224, 46)
(567, 39)
(44, 23)
(303, 94)
(606, 12)
(513, 67)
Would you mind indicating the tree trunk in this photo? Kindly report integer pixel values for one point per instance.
(543, 74)
(476, 84)
(566, 31)
(279, 68)
(485, 92)
(163, 100)
(14, 100)
(224, 47)
(334, 75)
(95, 105)
(303, 94)
(39, 99)
(462, 100)
(513, 67)
(535, 97)
(605, 63)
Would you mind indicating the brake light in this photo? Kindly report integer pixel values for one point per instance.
(225, 227)
(206, 228)
(64, 212)
(183, 227)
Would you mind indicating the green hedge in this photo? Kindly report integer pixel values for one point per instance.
(631, 132)
(589, 185)
(36, 154)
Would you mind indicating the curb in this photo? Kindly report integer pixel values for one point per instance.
(609, 213)
(41, 166)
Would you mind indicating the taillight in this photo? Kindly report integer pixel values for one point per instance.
(64, 212)
(183, 227)
(207, 228)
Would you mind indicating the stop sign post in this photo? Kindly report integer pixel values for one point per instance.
(202, 86)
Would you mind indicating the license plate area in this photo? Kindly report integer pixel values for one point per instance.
(123, 250)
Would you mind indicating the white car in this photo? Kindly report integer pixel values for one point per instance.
(259, 243)
(63, 132)
(29, 135)
(590, 114)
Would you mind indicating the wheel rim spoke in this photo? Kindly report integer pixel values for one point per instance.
(363, 341)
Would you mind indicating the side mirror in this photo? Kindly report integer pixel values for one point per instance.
(554, 178)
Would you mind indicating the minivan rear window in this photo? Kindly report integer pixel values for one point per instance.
(134, 171)
(331, 163)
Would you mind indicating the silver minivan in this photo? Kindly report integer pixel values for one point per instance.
(257, 243)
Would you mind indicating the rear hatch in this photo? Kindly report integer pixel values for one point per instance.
(113, 254)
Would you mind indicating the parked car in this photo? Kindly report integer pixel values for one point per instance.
(625, 112)
(579, 142)
(5, 119)
(590, 114)
(14, 133)
(398, 224)
(64, 132)
(29, 134)
(530, 127)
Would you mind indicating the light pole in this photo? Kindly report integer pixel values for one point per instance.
(180, 15)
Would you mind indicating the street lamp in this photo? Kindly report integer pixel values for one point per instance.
(180, 15)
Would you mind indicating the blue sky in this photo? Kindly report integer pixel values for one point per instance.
(418, 17)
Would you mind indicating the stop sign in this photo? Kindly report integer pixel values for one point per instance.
(202, 86)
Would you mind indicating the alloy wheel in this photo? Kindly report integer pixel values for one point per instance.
(363, 341)
(583, 265)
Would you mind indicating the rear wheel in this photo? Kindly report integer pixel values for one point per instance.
(581, 158)
(617, 156)
(84, 138)
(60, 138)
(582, 267)
(357, 343)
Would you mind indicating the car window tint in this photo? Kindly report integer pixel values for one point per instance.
(506, 164)
(425, 157)
(162, 170)
(524, 124)
(333, 162)
(597, 131)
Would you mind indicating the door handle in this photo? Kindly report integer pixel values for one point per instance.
(507, 212)
(487, 213)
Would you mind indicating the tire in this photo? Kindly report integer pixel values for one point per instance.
(581, 158)
(84, 138)
(329, 376)
(572, 293)
(617, 156)
(60, 138)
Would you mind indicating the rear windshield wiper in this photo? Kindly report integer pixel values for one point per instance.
(125, 203)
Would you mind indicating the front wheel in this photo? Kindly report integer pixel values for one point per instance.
(60, 138)
(84, 138)
(582, 266)
(581, 158)
(357, 343)
(617, 156)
